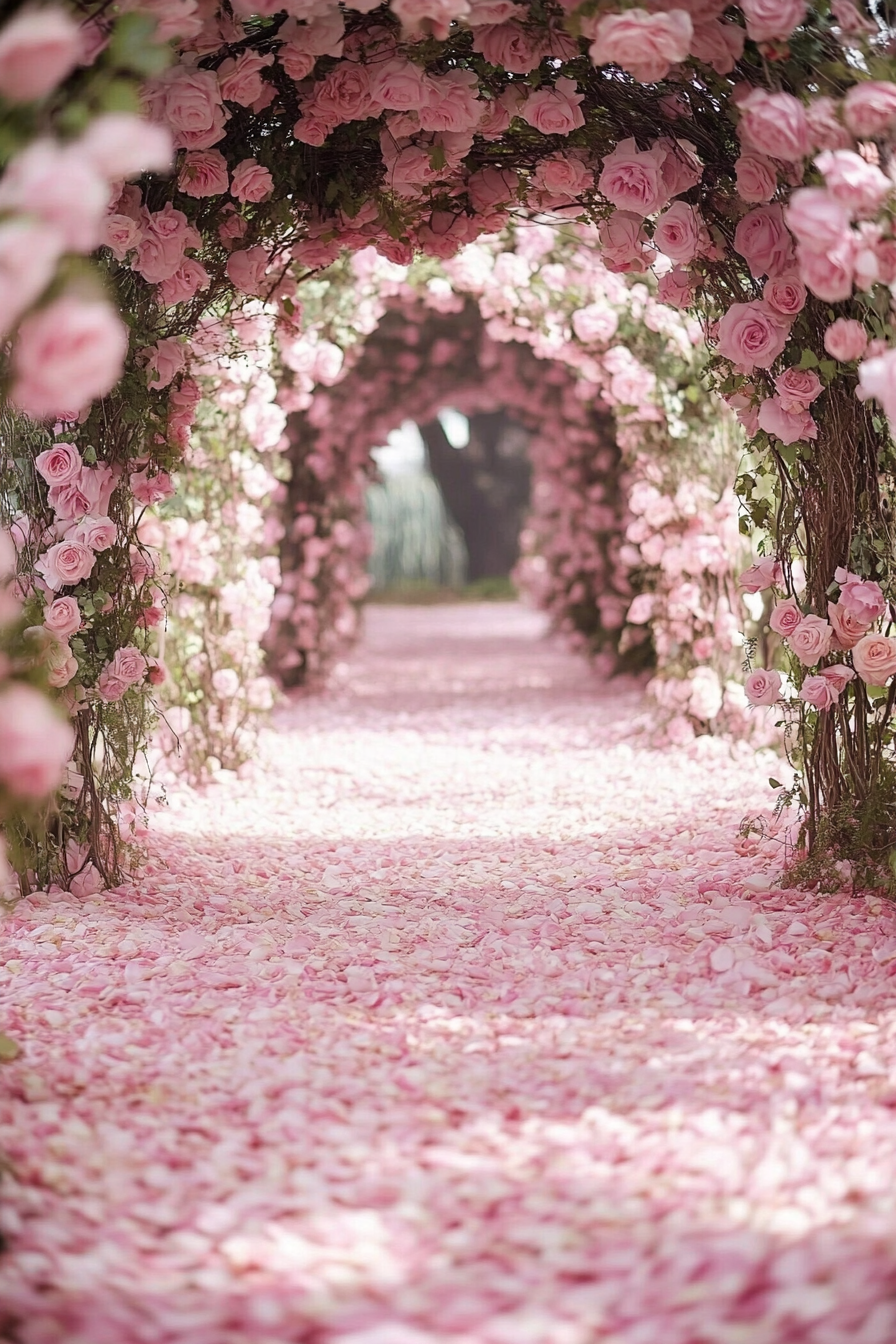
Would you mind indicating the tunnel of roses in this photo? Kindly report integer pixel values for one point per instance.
(205, 209)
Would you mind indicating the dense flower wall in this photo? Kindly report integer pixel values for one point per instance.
(747, 147)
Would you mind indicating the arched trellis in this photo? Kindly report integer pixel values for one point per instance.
(417, 361)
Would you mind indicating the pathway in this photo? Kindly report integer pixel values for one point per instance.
(463, 1023)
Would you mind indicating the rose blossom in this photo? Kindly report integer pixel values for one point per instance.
(825, 130)
(90, 492)
(644, 44)
(845, 340)
(770, 20)
(680, 233)
(121, 145)
(491, 188)
(60, 187)
(509, 46)
(756, 178)
(596, 322)
(554, 111)
(752, 335)
(862, 598)
(839, 675)
(562, 175)
(765, 573)
(874, 657)
(121, 235)
(786, 294)
(817, 219)
(720, 45)
(127, 667)
(830, 274)
(59, 464)
(38, 49)
(763, 687)
(65, 355)
(156, 672)
(774, 124)
(247, 269)
(35, 742)
(818, 692)
(29, 251)
(763, 241)
(789, 423)
(785, 617)
(189, 101)
(682, 167)
(675, 289)
(811, 639)
(860, 186)
(60, 662)
(798, 387)
(251, 182)
(65, 564)
(203, 173)
(96, 533)
(148, 490)
(166, 359)
(632, 178)
(397, 84)
(187, 280)
(240, 79)
(63, 617)
(869, 108)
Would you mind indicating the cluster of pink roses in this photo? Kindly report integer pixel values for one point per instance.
(812, 639)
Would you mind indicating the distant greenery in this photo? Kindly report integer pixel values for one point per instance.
(424, 594)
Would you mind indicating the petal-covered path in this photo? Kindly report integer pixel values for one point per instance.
(464, 1022)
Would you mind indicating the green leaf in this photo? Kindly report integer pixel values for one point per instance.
(775, 783)
(9, 1049)
(133, 45)
(808, 360)
(120, 96)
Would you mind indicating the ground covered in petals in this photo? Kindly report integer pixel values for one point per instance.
(467, 1021)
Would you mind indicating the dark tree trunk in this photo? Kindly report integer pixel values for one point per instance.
(485, 487)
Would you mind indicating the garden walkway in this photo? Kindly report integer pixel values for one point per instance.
(464, 1022)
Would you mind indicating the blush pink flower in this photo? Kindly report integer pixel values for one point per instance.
(858, 185)
(772, 20)
(251, 182)
(120, 145)
(830, 275)
(765, 573)
(595, 323)
(869, 108)
(397, 84)
(247, 268)
(124, 670)
(509, 46)
(631, 179)
(451, 102)
(188, 100)
(562, 175)
(60, 663)
(98, 534)
(554, 110)
(817, 219)
(797, 388)
(757, 180)
(29, 252)
(763, 240)
(752, 335)
(63, 617)
(59, 186)
(874, 657)
(763, 687)
(839, 676)
(819, 692)
(35, 742)
(785, 617)
(786, 294)
(165, 361)
(203, 173)
(720, 45)
(862, 598)
(240, 78)
(59, 464)
(148, 490)
(65, 355)
(647, 45)
(39, 47)
(492, 187)
(189, 278)
(65, 564)
(774, 124)
(121, 235)
(680, 233)
(676, 289)
(847, 629)
(845, 339)
(811, 639)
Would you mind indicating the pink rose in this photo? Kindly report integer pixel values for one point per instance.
(156, 672)
(752, 335)
(98, 534)
(756, 178)
(562, 175)
(839, 675)
(785, 294)
(121, 145)
(65, 355)
(88, 493)
(680, 233)
(344, 95)
(646, 45)
(166, 360)
(624, 243)
(554, 111)
(38, 49)
(148, 490)
(785, 617)
(297, 63)
(763, 241)
(858, 185)
(847, 630)
(766, 573)
(29, 251)
(451, 102)
(63, 617)
(509, 46)
(790, 423)
(595, 323)
(763, 687)
(845, 340)
(65, 564)
(492, 187)
(35, 742)
(682, 168)
(251, 182)
(397, 84)
(166, 236)
(59, 464)
(247, 269)
(187, 280)
(819, 692)
(797, 388)
(60, 187)
(720, 45)
(817, 219)
(811, 639)
(632, 179)
(869, 108)
(829, 275)
(877, 378)
(204, 173)
(675, 289)
(772, 20)
(124, 670)
(774, 124)
(189, 101)
(862, 598)
(60, 662)
(825, 131)
(850, 22)
(874, 657)
(240, 79)
(121, 235)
